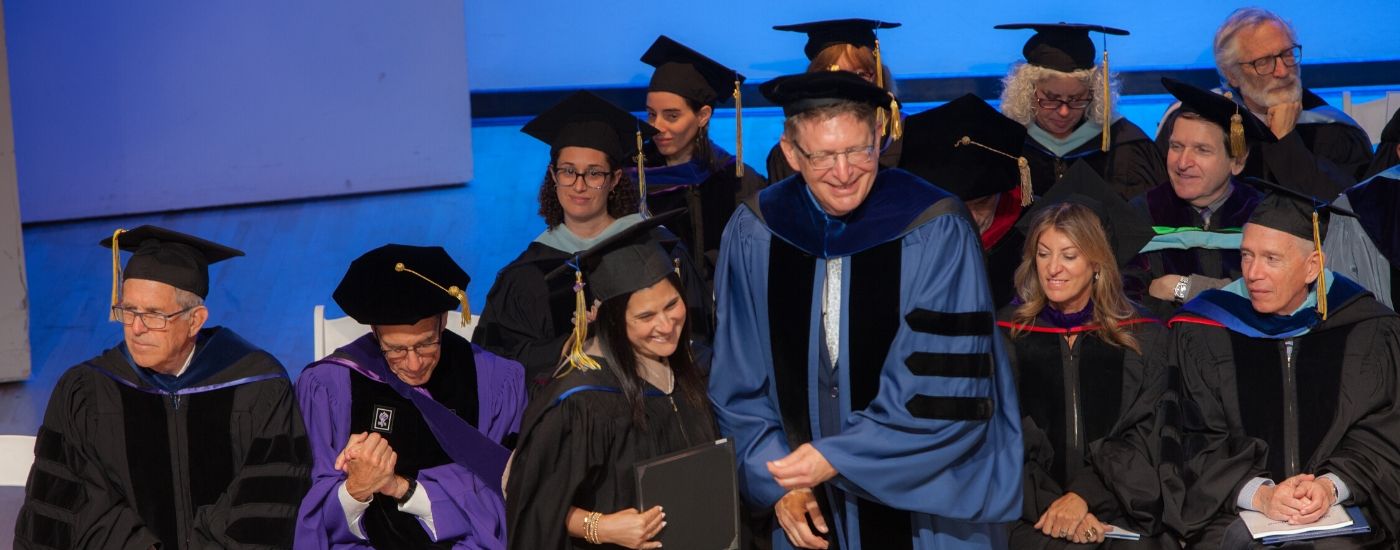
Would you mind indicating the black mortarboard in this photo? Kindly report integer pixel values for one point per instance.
(687, 73)
(1221, 110)
(823, 34)
(626, 262)
(398, 284)
(586, 120)
(1127, 231)
(1064, 47)
(162, 255)
(966, 147)
(805, 91)
(1391, 133)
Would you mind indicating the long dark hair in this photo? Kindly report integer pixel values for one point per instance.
(622, 200)
(702, 153)
(611, 330)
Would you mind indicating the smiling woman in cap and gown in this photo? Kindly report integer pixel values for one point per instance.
(684, 168)
(628, 391)
(445, 408)
(1067, 104)
(182, 436)
(585, 197)
(848, 45)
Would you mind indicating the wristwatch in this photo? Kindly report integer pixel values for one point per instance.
(1182, 285)
(412, 486)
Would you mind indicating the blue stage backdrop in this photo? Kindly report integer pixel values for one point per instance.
(566, 43)
(155, 105)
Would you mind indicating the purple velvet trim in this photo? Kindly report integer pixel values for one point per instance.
(1056, 318)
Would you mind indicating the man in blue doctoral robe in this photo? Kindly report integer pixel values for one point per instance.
(856, 364)
(409, 425)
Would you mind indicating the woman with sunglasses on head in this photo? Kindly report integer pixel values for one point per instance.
(585, 196)
(1067, 104)
(847, 45)
(627, 393)
(1091, 374)
(684, 168)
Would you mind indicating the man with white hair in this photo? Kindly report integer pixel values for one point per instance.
(1258, 56)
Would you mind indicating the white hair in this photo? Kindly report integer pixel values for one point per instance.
(1227, 49)
(187, 300)
(1018, 90)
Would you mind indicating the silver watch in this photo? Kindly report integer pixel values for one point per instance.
(1182, 285)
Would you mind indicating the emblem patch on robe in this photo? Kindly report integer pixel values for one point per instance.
(384, 419)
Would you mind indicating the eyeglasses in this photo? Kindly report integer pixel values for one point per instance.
(1074, 103)
(568, 176)
(1266, 65)
(400, 352)
(150, 319)
(827, 161)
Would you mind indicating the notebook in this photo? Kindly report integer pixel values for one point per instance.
(699, 492)
(1337, 521)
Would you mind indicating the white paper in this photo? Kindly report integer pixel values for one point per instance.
(1261, 526)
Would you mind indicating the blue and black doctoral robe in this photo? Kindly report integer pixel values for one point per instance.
(1274, 396)
(919, 413)
(1132, 165)
(130, 458)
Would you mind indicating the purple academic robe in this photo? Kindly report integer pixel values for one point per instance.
(467, 506)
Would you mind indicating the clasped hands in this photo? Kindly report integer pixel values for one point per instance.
(1069, 518)
(1299, 500)
(799, 472)
(368, 462)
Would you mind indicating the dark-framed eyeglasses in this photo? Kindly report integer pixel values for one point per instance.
(1074, 103)
(568, 176)
(399, 352)
(1266, 65)
(153, 320)
(827, 161)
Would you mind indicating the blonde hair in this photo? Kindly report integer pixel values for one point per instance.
(1082, 227)
(1018, 90)
(861, 55)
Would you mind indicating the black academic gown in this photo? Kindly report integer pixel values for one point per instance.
(710, 192)
(528, 319)
(577, 447)
(1321, 157)
(130, 459)
(1163, 208)
(1092, 418)
(1331, 407)
(1132, 165)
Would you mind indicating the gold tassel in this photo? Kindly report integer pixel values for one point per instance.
(1024, 167)
(641, 178)
(882, 120)
(833, 68)
(116, 274)
(738, 131)
(896, 125)
(577, 358)
(879, 66)
(1322, 269)
(459, 294)
(1107, 100)
(1236, 135)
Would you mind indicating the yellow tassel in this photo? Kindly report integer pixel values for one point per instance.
(577, 358)
(896, 125)
(116, 274)
(1236, 135)
(459, 294)
(1024, 167)
(641, 178)
(833, 68)
(1322, 269)
(1107, 101)
(738, 131)
(882, 120)
(879, 66)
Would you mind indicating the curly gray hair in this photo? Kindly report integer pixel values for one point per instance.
(1226, 48)
(1018, 90)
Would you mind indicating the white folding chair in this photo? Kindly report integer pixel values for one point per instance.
(331, 334)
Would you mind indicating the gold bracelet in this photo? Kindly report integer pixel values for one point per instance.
(590, 527)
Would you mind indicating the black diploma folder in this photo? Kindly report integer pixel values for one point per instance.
(699, 493)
